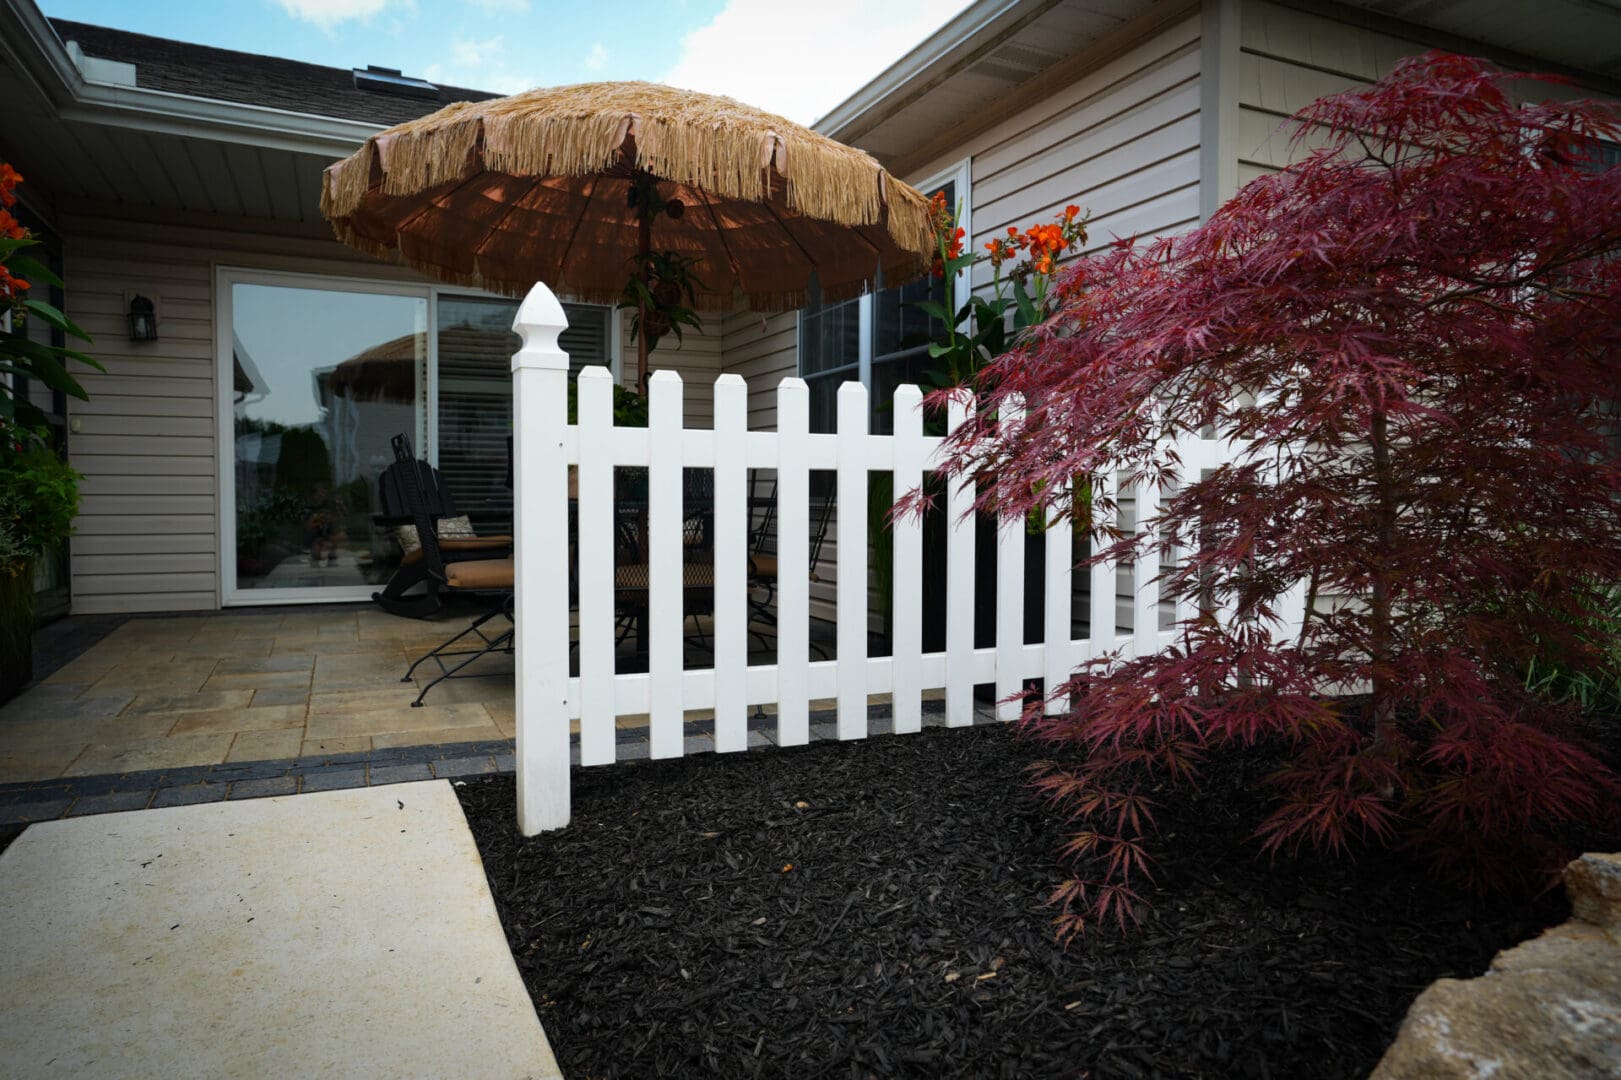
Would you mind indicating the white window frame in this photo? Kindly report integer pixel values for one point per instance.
(228, 594)
(961, 174)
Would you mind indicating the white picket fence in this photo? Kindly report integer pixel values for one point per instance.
(548, 698)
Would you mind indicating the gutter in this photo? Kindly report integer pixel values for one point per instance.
(38, 54)
(976, 30)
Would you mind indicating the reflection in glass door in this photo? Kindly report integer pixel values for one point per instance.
(320, 380)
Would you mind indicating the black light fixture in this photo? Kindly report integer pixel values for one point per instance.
(143, 319)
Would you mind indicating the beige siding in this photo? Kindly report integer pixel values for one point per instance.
(1122, 141)
(764, 350)
(147, 536)
(697, 359)
(1289, 58)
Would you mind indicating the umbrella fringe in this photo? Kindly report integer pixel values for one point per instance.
(708, 142)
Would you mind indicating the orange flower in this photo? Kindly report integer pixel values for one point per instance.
(9, 179)
(1070, 211)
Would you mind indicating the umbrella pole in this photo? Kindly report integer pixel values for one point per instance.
(644, 245)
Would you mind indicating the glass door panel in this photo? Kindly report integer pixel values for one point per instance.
(321, 380)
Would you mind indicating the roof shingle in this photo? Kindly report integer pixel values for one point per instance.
(203, 71)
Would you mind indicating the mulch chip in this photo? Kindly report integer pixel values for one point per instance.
(878, 909)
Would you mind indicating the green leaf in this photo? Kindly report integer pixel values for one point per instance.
(32, 269)
(1027, 315)
(7, 245)
(51, 315)
(48, 371)
(936, 309)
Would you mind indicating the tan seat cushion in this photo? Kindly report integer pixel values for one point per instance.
(480, 574)
(763, 567)
(693, 575)
(450, 545)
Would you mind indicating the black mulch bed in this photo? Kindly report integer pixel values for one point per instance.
(878, 909)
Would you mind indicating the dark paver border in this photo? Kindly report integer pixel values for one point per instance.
(76, 796)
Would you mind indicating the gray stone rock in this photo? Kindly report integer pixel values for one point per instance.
(1549, 1008)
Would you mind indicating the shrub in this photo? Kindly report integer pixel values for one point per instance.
(1414, 331)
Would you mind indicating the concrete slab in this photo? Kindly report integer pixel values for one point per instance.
(345, 933)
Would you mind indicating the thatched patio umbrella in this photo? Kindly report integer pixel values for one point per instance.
(576, 186)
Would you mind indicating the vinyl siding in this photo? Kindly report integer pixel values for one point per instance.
(147, 535)
(1122, 141)
(1289, 58)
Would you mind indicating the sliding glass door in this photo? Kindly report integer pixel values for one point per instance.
(320, 379)
(317, 376)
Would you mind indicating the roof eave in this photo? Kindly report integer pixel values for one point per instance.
(37, 50)
(888, 92)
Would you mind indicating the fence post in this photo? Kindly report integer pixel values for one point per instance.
(594, 522)
(666, 591)
(540, 580)
(1009, 588)
(959, 581)
(906, 577)
(851, 583)
(731, 608)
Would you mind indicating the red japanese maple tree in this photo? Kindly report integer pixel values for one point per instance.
(1414, 336)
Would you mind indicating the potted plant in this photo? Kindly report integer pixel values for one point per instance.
(660, 292)
(39, 493)
(39, 496)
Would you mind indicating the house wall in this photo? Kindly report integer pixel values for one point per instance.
(1122, 141)
(148, 533)
(1287, 58)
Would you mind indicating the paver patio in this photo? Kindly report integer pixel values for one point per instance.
(176, 691)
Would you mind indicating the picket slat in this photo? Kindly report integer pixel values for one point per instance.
(667, 690)
(793, 563)
(595, 546)
(1100, 632)
(851, 584)
(1056, 632)
(1145, 639)
(665, 607)
(1009, 586)
(907, 576)
(959, 584)
(731, 520)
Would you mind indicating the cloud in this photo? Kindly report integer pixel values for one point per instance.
(329, 13)
(596, 58)
(749, 53)
(511, 7)
(480, 65)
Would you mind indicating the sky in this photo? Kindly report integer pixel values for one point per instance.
(745, 49)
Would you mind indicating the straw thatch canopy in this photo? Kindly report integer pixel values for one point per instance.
(535, 187)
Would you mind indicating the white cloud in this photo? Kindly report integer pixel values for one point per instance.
(751, 53)
(329, 13)
(596, 58)
(480, 65)
(478, 54)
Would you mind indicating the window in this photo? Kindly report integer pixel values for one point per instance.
(476, 344)
(880, 340)
(317, 375)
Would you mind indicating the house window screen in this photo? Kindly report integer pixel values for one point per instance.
(476, 344)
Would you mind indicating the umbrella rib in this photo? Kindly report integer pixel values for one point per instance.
(431, 204)
(783, 225)
(591, 193)
(502, 220)
(720, 234)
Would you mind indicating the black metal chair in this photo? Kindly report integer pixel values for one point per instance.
(491, 579)
(397, 597)
(763, 565)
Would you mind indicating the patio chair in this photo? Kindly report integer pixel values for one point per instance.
(763, 564)
(396, 596)
(490, 580)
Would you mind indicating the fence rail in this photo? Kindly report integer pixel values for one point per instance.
(549, 698)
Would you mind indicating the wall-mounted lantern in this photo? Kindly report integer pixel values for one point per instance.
(143, 319)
